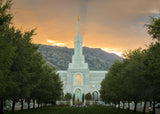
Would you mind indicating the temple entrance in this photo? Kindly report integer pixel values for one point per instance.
(78, 95)
(95, 96)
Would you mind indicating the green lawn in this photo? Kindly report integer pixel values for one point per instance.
(74, 110)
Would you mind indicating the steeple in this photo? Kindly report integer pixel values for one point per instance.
(78, 42)
(78, 22)
(78, 60)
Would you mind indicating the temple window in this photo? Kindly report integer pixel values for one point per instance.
(78, 79)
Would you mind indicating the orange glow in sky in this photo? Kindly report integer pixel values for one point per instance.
(114, 26)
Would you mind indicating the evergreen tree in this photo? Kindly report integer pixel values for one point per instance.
(24, 74)
(88, 96)
(68, 96)
(7, 52)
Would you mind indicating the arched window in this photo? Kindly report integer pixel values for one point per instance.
(78, 79)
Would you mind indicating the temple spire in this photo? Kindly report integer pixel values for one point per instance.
(78, 22)
(78, 60)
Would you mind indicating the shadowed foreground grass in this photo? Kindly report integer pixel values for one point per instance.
(75, 110)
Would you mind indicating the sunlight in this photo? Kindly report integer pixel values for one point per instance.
(112, 51)
(58, 44)
(50, 41)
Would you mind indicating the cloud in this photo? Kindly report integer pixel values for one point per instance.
(58, 44)
(113, 51)
(151, 11)
(154, 11)
(55, 43)
(108, 24)
(50, 41)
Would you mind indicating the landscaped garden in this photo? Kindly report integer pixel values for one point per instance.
(76, 110)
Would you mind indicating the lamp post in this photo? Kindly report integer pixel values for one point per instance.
(149, 108)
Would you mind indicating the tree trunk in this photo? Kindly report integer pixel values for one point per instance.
(128, 105)
(13, 106)
(1, 107)
(123, 105)
(144, 108)
(135, 106)
(154, 111)
(38, 103)
(150, 103)
(29, 105)
(22, 105)
(33, 103)
(119, 104)
(115, 104)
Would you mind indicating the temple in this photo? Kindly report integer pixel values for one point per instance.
(78, 79)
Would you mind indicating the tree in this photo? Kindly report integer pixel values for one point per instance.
(23, 72)
(125, 80)
(48, 89)
(22, 48)
(152, 72)
(20, 69)
(136, 85)
(58, 84)
(152, 60)
(35, 70)
(68, 96)
(88, 96)
(112, 87)
(7, 51)
(153, 28)
(73, 98)
(83, 98)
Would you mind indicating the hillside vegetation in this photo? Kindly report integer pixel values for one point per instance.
(60, 57)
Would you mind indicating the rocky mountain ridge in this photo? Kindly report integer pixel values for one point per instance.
(60, 57)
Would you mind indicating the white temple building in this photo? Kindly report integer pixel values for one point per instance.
(78, 79)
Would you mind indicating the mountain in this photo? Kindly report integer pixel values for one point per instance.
(60, 57)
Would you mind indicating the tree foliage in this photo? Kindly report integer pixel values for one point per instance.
(88, 96)
(68, 96)
(137, 77)
(153, 28)
(24, 74)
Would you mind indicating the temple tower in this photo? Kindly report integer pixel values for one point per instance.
(78, 60)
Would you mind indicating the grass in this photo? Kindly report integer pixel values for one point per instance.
(75, 110)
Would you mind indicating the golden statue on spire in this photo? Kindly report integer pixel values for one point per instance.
(78, 17)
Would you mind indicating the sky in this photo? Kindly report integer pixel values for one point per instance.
(112, 25)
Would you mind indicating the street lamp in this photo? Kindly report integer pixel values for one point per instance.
(149, 108)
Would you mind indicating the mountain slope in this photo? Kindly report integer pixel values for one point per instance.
(60, 57)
